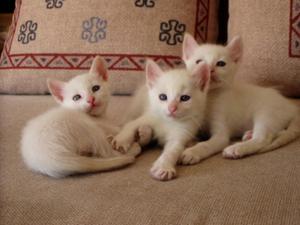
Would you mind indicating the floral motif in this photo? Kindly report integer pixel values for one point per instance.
(145, 3)
(27, 32)
(54, 3)
(94, 29)
(172, 32)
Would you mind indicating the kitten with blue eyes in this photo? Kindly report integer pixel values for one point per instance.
(72, 138)
(173, 108)
(265, 118)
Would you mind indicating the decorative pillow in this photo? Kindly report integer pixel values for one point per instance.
(271, 35)
(59, 38)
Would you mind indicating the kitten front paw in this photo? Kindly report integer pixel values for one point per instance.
(144, 135)
(232, 152)
(135, 150)
(121, 144)
(110, 138)
(162, 172)
(189, 157)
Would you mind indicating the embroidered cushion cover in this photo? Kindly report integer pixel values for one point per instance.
(59, 38)
(271, 36)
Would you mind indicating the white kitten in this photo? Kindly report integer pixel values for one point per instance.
(235, 108)
(58, 142)
(174, 110)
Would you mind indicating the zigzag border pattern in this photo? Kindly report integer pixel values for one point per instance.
(78, 61)
(294, 40)
(202, 19)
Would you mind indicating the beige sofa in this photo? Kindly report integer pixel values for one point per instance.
(261, 189)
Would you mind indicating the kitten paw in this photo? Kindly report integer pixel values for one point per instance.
(232, 152)
(189, 157)
(144, 135)
(110, 138)
(163, 172)
(120, 144)
(135, 149)
(247, 135)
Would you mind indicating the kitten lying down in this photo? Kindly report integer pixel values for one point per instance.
(72, 138)
(261, 116)
(265, 118)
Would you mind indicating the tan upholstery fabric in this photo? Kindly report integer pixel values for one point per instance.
(59, 38)
(271, 36)
(258, 190)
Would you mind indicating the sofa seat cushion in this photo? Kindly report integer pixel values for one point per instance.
(261, 189)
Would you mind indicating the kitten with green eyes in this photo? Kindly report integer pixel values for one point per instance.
(173, 108)
(265, 118)
(72, 138)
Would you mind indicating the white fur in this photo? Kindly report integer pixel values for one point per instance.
(72, 138)
(172, 131)
(234, 108)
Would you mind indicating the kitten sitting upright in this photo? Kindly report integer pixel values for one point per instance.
(72, 138)
(235, 108)
(174, 110)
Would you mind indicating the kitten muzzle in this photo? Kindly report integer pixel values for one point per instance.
(214, 77)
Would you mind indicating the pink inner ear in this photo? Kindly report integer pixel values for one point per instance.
(105, 76)
(202, 76)
(56, 89)
(98, 67)
(188, 47)
(235, 49)
(152, 72)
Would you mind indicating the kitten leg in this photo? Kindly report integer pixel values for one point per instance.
(111, 130)
(123, 141)
(164, 167)
(144, 135)
(205, 149)
(134, 150)
(262, 136)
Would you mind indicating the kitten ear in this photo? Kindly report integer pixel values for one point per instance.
(153, 71)
(189, 46)
(235, 48)
(56, 88)
(99, 68)
(201, 75)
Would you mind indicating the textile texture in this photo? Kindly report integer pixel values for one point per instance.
(59, 39)
(258, 190)
(271, 35)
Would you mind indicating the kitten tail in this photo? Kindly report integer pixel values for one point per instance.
(71, 163)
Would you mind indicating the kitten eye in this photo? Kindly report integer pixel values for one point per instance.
(95, 88)
(163, 97)
(221, 63)
(198, 61)
(76, 97)
(185, 98)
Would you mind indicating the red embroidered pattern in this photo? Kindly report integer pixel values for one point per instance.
(294, 43)
(78, 61)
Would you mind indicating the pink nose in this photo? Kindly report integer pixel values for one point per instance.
(91, 99)
(172, 108)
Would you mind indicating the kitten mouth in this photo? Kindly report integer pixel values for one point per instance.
(215, 78)
(172, 115)
(93, 106)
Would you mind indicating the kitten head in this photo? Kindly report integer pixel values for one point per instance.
(88, 92)
(223, 60)
(177, 93)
